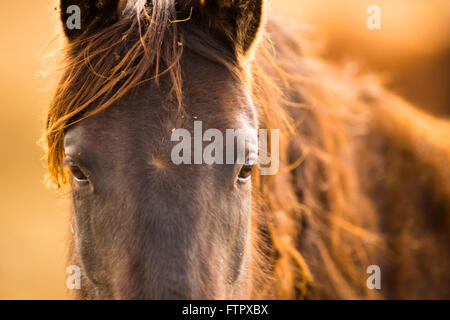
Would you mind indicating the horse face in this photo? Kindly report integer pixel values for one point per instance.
(146, 227)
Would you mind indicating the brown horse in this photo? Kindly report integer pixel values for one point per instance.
(364, 177)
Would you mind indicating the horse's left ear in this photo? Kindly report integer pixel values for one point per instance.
(239, 21)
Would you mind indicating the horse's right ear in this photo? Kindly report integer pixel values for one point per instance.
(82, 16)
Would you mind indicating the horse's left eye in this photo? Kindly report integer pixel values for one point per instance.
(246, 172)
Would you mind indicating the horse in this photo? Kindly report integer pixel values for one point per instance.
(363, 179)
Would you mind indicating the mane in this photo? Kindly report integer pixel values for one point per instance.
(316, 199)
(308, 221)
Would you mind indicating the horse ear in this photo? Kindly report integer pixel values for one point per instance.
(239, 21)
(81, 16)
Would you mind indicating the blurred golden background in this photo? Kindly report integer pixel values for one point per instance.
(412, 51)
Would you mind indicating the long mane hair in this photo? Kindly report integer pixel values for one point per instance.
(314, 227)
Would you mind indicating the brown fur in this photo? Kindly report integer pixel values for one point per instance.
(365, 177)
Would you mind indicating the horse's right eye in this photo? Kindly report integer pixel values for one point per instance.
(77, 173)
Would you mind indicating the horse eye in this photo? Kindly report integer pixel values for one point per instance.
(246, 172)
(77, 174)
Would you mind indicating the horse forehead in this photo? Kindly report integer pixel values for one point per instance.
(152, 127)
(147, 114)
